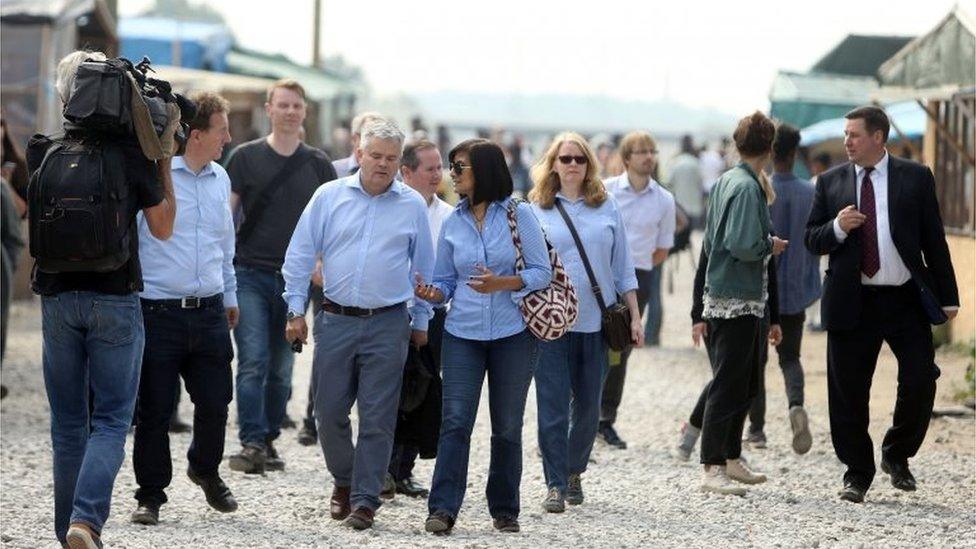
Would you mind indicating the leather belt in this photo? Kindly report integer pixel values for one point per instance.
(337, 309)
(191, 302)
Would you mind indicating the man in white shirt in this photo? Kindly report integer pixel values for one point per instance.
(417, 430)
(648, 211)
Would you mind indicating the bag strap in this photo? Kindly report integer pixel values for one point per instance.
(586, 261)
(253, 214)
(516, 239)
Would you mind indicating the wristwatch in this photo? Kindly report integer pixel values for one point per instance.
(292, 315)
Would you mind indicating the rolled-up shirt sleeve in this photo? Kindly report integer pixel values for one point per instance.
(303, 249)
(422, 263)
(537, 273)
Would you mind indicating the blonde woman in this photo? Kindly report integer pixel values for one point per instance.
(569, 377)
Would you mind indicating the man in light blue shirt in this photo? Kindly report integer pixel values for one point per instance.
(189, 306)
(374, 239)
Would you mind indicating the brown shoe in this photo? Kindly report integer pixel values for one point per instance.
(361, 518)
(81, 536)
(339, 504)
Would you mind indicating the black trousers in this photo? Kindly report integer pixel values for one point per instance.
(194, 344)
(613, 384)
(405, 456)
(735, 363)
(893, 315)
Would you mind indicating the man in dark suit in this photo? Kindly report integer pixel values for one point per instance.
(889, 277)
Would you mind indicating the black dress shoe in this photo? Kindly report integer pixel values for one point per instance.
(307, 435)
(610, 436)
(410, 488)
(901, 476)
(146, 513)
(852, 492)
(218, 494)
(506, 523)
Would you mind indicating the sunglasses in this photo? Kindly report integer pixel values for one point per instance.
(457, 167)
(566, 159)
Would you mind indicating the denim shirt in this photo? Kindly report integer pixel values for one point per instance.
(461, 247)
(371, 247)
(601, 229)
(798, 272)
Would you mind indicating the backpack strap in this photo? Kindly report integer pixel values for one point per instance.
(511, 212)
(254, 214)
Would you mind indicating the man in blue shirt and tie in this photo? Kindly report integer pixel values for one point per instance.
(373, 236)
(189, 306)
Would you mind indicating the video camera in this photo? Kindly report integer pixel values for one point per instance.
(118, 98)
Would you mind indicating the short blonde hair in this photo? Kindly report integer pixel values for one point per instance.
(68, 69)
(632, 141)
(546, 181)
(288, 84)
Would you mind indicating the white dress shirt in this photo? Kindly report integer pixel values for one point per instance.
(437, 212)
(649, 218)
(893, 271)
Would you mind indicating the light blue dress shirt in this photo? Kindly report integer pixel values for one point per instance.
(601, 229)
(371, 248)
(198, 259)
(486, 317)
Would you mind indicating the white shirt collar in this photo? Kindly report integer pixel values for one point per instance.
(651, 184)
(880, 169)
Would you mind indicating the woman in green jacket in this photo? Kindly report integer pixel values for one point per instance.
(738, 245)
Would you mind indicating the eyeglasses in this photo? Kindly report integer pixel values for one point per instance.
(566, 159)
(645, 151)
(457, 167)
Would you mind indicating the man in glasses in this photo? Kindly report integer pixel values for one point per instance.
(648, 211)
(373, 237)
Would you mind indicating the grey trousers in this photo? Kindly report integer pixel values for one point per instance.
(362, 363)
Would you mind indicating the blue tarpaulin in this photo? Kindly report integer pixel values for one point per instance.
(200, 45)
(907, 115)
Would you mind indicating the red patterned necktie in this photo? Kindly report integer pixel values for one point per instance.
(870, 260)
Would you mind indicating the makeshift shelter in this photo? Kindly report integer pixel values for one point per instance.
(168, 41)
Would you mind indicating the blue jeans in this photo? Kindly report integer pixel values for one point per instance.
(655, 311)
(264, 357)
(509, 363)
(92, 350)
(568, 383)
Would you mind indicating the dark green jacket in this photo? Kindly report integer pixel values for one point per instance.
(737, 236)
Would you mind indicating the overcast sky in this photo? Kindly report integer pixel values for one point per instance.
(718, 54)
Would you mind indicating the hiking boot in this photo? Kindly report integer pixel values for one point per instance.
(217, 493)
(506, 523)
(273, 461)
(800, 423)
(715, 480)
(610, 436)
(738, 471)
(554, 502)
(250, 460)
(687, 441)
(146, 513)
(574, 490)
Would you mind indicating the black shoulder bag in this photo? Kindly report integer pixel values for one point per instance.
(616, 318)
(253, 214)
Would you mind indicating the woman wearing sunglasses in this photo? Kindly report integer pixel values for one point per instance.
(569, 377)
(484, 331)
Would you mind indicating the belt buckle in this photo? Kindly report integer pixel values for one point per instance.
(368, 313)
(190, 302)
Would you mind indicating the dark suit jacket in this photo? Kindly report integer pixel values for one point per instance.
(916, 229)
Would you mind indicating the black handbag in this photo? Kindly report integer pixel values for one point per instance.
(616, 318)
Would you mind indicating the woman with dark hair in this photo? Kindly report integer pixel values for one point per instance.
(484, 331)
(569, 378)
(738, 246)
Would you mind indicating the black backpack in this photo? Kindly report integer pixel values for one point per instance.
(78, 208)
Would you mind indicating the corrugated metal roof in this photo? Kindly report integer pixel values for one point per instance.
(822, 88)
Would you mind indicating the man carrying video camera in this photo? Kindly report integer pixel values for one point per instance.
(85, 191)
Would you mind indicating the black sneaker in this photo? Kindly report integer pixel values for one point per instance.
(307, 435)
(250, 460)
(218, 494)
(146, 513)
(274, 461)
(611, 437)
(506, 523)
